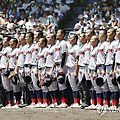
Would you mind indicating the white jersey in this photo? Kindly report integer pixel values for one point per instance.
(110, 51)
(13, 57)
(82, 54)
(117, 56)
(50, 56)
(34, 54)
(71, 56)
(28, 54)
(101, 54)
(4, 56)
(93, 58)
(21, 55)
(61, 47)
(42, 54)
(87, 53)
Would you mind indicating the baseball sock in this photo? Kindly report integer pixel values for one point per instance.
(76, 97)
(39, 96)
(64, 97)
(32, 95)
(46, 97)
(107, 98)
(93, 97)
(17, 97)
(116, 98)
(10, 97)
(100, 98)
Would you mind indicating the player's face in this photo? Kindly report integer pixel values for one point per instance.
(102, 37)
(82, 38)
(118, 33)
(36, 36)
(72, 40)
(93, 41)
(59, 35)
(28, 39)
(12, 43)
(22, 39)
(50, 39)
(41, 43)
(110, 35)
(88, 35)
(5, 42)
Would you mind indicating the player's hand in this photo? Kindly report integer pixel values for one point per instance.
(36, 73)
(61, 71)
(22, 71)
(10, 76)
(111, 73)
(29, 71)
(94, 75)
(15, 73)
(103, 72)
(75, 74)
(89, 75)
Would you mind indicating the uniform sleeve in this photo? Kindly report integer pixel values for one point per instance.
(64, 47)
(76, 52)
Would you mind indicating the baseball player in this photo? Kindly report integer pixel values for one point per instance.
(81, 64)
(49, 68)
(21, 60)
(101, 59)
(60, 60)
(27, 65)
(110, 62)
(37, 89)
(117, 62)
(4, 59)
(72, 65)
(41, 65)
(12, 66)
(95, 90)
(88, 34)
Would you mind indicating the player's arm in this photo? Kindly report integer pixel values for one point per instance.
(7, 65)
(16, 67)
(76, 67)
(62, 62)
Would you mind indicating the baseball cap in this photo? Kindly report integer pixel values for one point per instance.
(80, 16)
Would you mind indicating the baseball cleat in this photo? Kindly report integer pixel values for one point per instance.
(44, 105)
(38, 105)
(91, 107)
(53, 105)
(32, 105)
(15, 106)
(7, 106)
(62, 105)
(75, 105)
(112, 108)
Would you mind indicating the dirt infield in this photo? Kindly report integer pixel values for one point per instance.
(55, 114)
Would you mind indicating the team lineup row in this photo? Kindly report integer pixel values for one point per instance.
(42, 63)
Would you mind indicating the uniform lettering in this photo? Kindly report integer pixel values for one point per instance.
(4, 54)
(49, 53)
(57, 49)
(80, 53)
(109, 50)
(100, 50)
(40, 57)
(20, 53)
(28, 52)
(92, 55)
(34, 49)
(70, 53)
(118, 49)
(11, 56)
